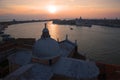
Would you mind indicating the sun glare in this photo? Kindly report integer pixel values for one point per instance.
(52, 9)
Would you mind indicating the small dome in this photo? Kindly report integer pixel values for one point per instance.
(45, 30)
(46, 48)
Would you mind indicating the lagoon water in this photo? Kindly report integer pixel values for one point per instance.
(97, 42)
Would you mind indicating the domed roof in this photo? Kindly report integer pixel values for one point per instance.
(46, 48)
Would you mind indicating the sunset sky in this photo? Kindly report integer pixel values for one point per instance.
(37, 9)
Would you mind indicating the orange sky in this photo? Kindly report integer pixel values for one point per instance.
(36, 9)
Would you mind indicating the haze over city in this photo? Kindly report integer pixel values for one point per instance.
(45, 9)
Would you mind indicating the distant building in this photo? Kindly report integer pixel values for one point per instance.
(48, 59)
(83, 22)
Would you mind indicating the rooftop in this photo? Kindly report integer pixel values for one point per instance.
(68, 67)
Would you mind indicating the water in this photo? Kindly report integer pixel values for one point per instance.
(98, 43)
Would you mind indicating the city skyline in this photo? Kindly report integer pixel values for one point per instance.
(45, 9)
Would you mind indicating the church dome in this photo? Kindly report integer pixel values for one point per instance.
(46, 47)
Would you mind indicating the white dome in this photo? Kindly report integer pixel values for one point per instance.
(46, 48)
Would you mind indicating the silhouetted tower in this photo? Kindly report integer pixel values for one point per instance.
(45, 32)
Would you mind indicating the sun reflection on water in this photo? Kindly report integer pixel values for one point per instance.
(53, 29)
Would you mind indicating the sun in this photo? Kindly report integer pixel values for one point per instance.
(52, 9)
